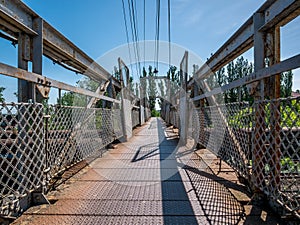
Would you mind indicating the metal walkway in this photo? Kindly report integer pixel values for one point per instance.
(148, 180)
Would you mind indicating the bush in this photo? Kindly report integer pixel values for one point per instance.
(155, 113)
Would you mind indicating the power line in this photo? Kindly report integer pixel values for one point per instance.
(135, 20)
(134, 33)
(144, 32)
(169, 30)
(127, 36)
(156, 54)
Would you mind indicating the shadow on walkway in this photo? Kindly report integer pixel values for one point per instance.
(169, 173)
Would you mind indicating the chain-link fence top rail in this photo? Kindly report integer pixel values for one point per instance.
(22, 160)
(232, 132)
(32, 143)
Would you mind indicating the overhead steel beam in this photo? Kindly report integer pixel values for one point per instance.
(279, 13)
(16, 17)
(70, 54)
(48, 82)
(9, 38)
(276, 13)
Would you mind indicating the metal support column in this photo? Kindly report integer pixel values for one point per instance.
(125, 104)
(258, 149)
(184, 104)
(26, 90)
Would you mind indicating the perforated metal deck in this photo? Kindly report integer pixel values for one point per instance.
(148, 180)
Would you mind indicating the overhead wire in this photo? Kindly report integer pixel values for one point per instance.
(127, 36)
(144, 33)
(169, 31)
(132, 32)
(135, 20)
(156, 53)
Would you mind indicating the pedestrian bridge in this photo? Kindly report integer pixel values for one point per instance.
(203, 161)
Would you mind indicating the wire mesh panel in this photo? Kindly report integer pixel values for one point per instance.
(135, 116)
(117, 124)
(148, 113)
(276, 151)
(174, 117)
(22, 153)
(226, 130)
(74, 133)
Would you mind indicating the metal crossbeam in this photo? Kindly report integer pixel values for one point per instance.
(288, 64)
(48, 82)
(16, 17)
(277, 13)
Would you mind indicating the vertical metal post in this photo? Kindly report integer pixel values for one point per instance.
(184, 104)
(259, 63)
(125, 104)
(273, 54)
(37, 53)
(25, 89)
(59, 97)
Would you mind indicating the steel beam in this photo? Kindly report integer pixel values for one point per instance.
(48, 82)
(279, 13)
(16, 17)
(286, 65)
(275, 12)
(61, 49)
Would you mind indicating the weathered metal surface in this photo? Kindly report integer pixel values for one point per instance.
(133, 184)
(288, 64)
(48, 82)
(34, 148)
(22, 155)
(60, 48)
(275, 12)
(16, 17)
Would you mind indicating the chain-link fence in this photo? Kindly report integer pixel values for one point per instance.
(22, 147)
(148, 114)
(38, 142)
(226, 130)
(276, 151)
(174, 117)
(261, 142)
(135, 116)
(74, 133)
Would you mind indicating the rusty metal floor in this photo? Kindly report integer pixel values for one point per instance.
(147, 180)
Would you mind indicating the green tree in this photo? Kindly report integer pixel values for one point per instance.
(67, 99)
(2, 99)
(173, 76)
(286, 83)
(235, 70)
(231, 95)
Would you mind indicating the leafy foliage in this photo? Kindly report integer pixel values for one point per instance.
(289, 112)
(286, 81)
(2, 99)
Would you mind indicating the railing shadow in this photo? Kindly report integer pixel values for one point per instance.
(219, 205)
(138, 156)
(176, 206)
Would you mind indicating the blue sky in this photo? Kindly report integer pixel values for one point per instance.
(97, 26)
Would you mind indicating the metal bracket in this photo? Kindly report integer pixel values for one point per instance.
(39, 198)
